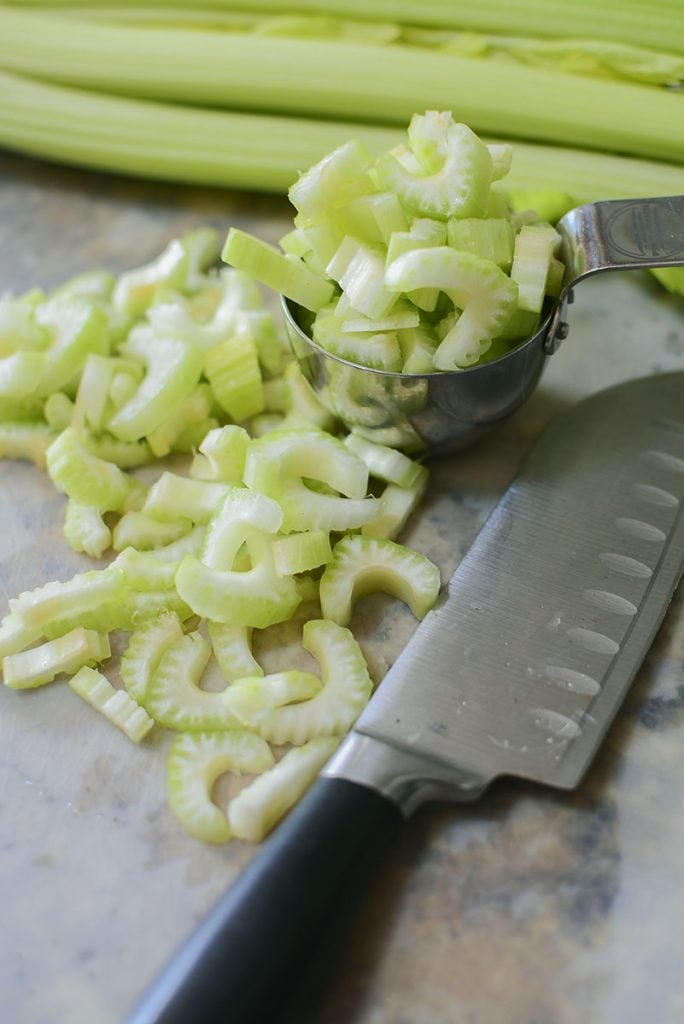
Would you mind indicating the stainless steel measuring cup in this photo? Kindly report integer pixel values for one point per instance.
(440, 412)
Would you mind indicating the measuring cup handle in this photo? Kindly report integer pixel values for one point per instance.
(623, 234)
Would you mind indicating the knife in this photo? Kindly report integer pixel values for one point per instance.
(518, 671)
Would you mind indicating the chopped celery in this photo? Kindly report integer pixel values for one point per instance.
(67, 654)
(534, 249)
(396, 505)
(144, 651)
(173, 370)
(77, 598)
(254, 597)
(20, 373)
(195, 762)
(363, 565)
(232, 650)
(282, 273)
(383, 462)
(260, 805)
(222, 455)
(30, 441)
(333, 181)
(490, 238)
(173, 696)
(134, 290)
(116, 705)
(251, 698)
(85, 477)
(85, 530)
(143, 531)
(77, 328)
(232, 369)
(346, 689)
(175, 497)
(359, 269)
(58, 411)
(192, 411)
(300, 552)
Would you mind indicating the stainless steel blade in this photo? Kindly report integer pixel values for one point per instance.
(522, 667)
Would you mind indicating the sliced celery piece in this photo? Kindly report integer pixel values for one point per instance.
(232, 369)
(173, 370)
(335, 180)
(456, 183)
(80, 475)
(142, 571)
(384, 463)
(21, 410)
(67, 654)
(194, 410)
(321, 238)
(93, 388)
(175, 497)
(371, 218)
(173, 696)
(304, 453)
(77, 598)
(359, 269)
(301, 552)
(534, 249)
(139, 606)
(251, 698)
(418, 346)
(142, 531)
(254, 597)
(486, 295)
(30, 441)
(16, 635)
(222, 455)
(402, 315)
(377, 351)
(232, 650)
(346, 689)
(492, 238)
(282, 273)
(195, 762)
(134, 290)
(58, 411)
(19, 329)
(396, 505)
(20, 373)
(260, 805)
(78, 327)
(85, 530)
(144, 651)
(117, 706)
(303, 407)
(241, 514)
(363, 565)
(96, 285)
(190, 544)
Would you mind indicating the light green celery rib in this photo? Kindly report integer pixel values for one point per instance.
(660, 24)
(189, 144)
(387, 85)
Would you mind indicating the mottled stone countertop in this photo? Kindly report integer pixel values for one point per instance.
(530, 907)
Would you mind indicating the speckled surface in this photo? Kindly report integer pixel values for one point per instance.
(531, 907)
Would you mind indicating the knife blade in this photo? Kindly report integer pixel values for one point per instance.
(519, 671)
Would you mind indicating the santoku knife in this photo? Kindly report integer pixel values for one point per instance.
(519, 671)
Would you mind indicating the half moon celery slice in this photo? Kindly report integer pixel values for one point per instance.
(232, 650)
(85, 477)
(363, 565)
(487, 296)
(173, 369)
(173, 696)
(195, 762)
(346, 689)
(145, 648)
(251, 698)
(260, 805)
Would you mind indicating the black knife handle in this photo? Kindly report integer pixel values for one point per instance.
(245, 956)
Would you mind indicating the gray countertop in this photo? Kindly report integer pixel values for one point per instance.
(531, 907)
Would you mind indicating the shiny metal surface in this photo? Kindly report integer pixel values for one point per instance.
(441, 412)
(521, 668)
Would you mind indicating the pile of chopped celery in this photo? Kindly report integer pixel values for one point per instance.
(262, 504)
(413, 262)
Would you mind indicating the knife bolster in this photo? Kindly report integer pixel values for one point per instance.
(402, 776)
